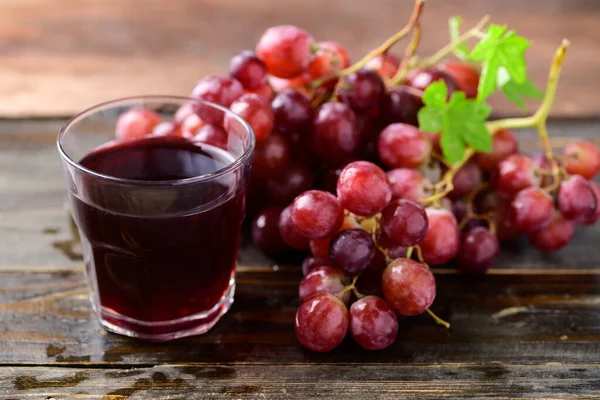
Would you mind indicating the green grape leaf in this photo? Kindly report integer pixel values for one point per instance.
(516, 91)
(461, 51)
(497, 49)
(461, 121)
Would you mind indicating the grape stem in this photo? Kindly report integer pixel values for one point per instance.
(488, 217)
(409, 53)
(438, 319)
(350, 287)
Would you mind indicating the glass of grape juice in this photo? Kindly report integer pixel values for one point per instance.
(159, 217)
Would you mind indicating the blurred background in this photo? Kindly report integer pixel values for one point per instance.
(58, 57)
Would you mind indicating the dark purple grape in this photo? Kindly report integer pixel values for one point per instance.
(403, 104)
(293, 111)
(362, 90)
(466, 180)
(294, 180)
(352, 250)
(265, 230)
(335, 136)
(479, 249)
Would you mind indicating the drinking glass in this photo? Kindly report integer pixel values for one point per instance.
(160, 255)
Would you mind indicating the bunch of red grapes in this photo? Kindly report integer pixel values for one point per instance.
(342, 170)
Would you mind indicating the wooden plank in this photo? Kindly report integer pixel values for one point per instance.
(520, 318)
(58, 59)
(297, 381)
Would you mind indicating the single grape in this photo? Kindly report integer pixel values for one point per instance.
(317, 214)
(373, 323)
(352, 250)
(191, 126)
(271, 157)
(167, 128)
(335, 136)
(329, 58)
(363, 188)
(255, 111)
(405, 222)
(370, 279)
(136, 123)
(501, 209)
(288, 231)
(504, 144)
(248, 69)
(216, 89)
(320, 249)
(531, 209)
(409, 184)
(214, 135)
(442, 240)
(265, 92)
(593, 218)
(311, 264)
(466, 180)
(385, 64)
(403, 146)
(554, 235)
(324, 280)
(403, 104)
(321, 322)
(408, 286)
(465, 76)
(294, 180)
(265, 230)
(479, 249)
(397, 252)
(286, 50)
(362, 90)
(420, 78)
(515, 173)
(293, 111)
(583, 158)
(576, 199)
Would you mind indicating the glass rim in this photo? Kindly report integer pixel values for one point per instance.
(166, 98)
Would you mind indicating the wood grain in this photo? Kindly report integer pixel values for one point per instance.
(61, 57)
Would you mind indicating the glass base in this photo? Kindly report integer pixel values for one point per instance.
(162, 331)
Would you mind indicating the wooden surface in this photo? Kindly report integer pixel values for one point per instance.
(59, 57)
(530, 328)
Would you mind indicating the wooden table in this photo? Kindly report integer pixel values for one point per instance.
(529, 328)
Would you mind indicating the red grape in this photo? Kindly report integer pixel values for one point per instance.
(531, 209)
(465, 76)
(310, 264)
(265, 92)
(293, 111)
(214, 135)
(294, 180)
(271, 157)
(441, 242)
(479, 249)
(320, 249)
(386, 65)
(554, 235)
(403, 146)
(216, 89)
(370, 278)
(409, 184)
(324, 280)
(373, 323)
(288, 231)
(183, 112)
(335, 136)
(408, 286)
(363, 188)
(420, 78)
(254, 110)
(593, 218)
(321, 322)
(136, 123)
(466, 180)
(403, 104)
(248, 69)
(167, 128)
(191, 126)
(576, 199)
(514, 174)
(265, 230)
(317, 214)
(583, 158)
(405, 222)
(330, 57)
(362, 90)
(286, 50)
(504, 144)
(352, 250)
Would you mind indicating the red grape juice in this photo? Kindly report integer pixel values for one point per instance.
(155, 264)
